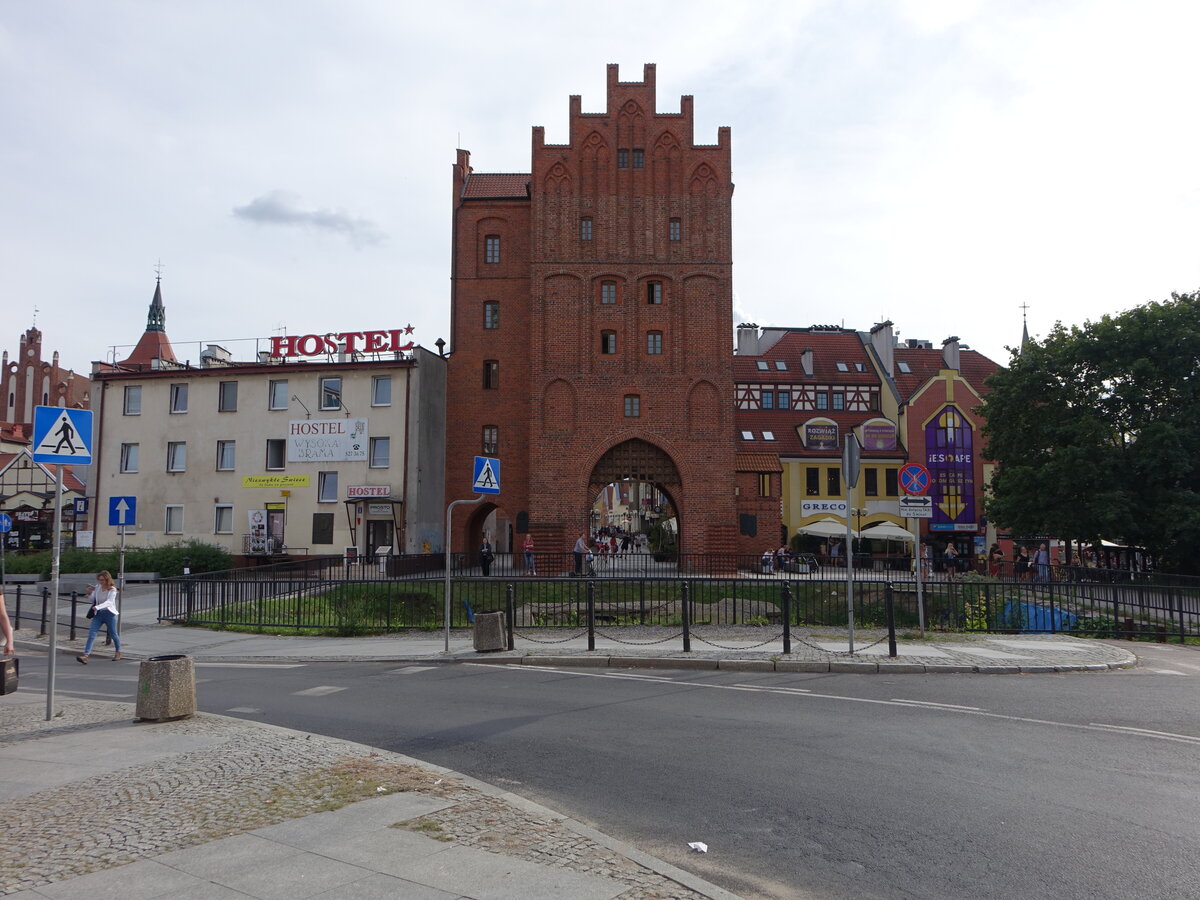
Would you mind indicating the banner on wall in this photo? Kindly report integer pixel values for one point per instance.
(820, 434)
(879, 434)
(950, 459)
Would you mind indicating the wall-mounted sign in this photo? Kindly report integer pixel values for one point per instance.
(823, 508)
(820, 434)
(355, 491)
(327, 440)
(390, 341)
(379, 509)
(274, 481)
(949, 452)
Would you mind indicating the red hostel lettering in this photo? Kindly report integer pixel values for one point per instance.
(335, 427)
(356, 342)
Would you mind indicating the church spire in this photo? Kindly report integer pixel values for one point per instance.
(156, 320)
(1024, 327)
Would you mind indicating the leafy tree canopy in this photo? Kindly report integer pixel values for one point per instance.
(1096, 432)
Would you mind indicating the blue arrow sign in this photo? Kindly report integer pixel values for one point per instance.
(122, 510)
(62, 435)
(5, 523)
(486, 479)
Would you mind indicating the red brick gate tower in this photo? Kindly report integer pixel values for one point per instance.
(592, 324)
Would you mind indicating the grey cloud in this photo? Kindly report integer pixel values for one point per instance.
(285, 208)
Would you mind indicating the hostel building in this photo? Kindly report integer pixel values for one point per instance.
(317, 444)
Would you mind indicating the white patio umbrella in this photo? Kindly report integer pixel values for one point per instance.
(886, 531)
(828, 527)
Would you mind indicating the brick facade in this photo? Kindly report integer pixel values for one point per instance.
(615, 245)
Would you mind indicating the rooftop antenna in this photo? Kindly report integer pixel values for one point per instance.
(35, 312)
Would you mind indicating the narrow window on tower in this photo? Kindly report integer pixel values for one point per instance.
(676, 229)
(491, 314)
(639, 159)
(654, 343)
(491, 248)
(633, 406)
(608, 342)
(622, 159)
(608, 292)
(654, 293)
(491, 440)
(491, 374)
(585, 228)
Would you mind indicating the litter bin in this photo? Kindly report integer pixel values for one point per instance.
(166, 688)
(489, 632)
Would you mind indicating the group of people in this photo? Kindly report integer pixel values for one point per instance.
(777, 560)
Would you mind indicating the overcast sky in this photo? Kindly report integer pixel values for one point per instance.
(935, 163)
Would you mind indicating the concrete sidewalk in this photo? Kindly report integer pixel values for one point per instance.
(96, 805)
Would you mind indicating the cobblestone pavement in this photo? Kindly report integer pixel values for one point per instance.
(234, 776)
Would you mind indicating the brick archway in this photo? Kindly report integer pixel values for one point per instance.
(637, 460)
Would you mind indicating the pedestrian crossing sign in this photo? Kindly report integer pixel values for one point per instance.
(487, 475)
(62, 435)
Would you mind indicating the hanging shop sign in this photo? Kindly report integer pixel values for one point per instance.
(275, 481)
(327, 440)
(389, 341)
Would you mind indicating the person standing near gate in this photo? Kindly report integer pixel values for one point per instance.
(486, 556)
(1041, 560)
(530, 562)
(104, 602)
(581, 549)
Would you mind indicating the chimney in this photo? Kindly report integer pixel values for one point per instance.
(950, 352)
(747, 339)
(883, 342)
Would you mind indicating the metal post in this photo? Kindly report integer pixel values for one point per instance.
(510, 610)
(55, 566)
(591, 614)
(446, 589)
(71, 635)
(685, 598)
(849, 573)
(787, 618)
(917, 561)
(889, 608)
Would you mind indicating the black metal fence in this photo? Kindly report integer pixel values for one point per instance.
(349, 605)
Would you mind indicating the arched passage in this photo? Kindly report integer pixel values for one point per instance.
(633, 490)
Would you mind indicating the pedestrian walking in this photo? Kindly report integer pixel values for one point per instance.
(104, 603)
(1041, 561)
(6, 629)
(995, 560)
(486, 556)
(581, 550)
(530, 564)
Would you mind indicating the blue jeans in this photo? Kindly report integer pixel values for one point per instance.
(108, 619)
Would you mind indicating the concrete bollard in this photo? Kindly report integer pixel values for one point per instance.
(166, 688)
(489, 633)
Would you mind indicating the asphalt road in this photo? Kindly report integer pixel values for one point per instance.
(944, 786)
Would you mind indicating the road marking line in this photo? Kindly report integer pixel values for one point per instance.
(1166, 735)
(936, 705)
(94, 694)
(245, 710)
(904, 704)
(319, 691)
(409, 670)
(226, 665)
(1166, 672)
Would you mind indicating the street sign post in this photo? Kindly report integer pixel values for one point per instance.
(122, 511)
(61, 436)
(5, 528)
(851, 458)
(915, 482)
(485, 479)
(916, 507)
(914, 478)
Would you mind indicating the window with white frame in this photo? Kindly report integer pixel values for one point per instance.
(491, 440)
(331, 392)
(133, 400)
(227, 396)
(276, 454)
(491, 315)
(277, 394)
(675, 227)
(223, 518)
(177, 456)
(608, 292)
(633, 406)
(381, 390)
(491, 248)
(327, 487)
(173, 521)
(129, 458)
(608, 342)
(381, 451)
(654, 293)
(179, 398)
(654, 343)
(585, 228)
(226, 456)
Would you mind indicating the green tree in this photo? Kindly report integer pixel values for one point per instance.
(1096, 432)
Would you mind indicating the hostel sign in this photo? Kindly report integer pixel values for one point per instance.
(327, 440)
(389, 341)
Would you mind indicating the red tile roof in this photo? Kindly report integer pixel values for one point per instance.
(496, 186)
(153, 345)
(974, 367)
(757, 462)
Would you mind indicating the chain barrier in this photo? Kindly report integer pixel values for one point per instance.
(640, 643)
(524, 637)
(770, 640)
(857, 650)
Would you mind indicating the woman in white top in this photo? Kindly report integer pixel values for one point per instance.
(104, 599)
